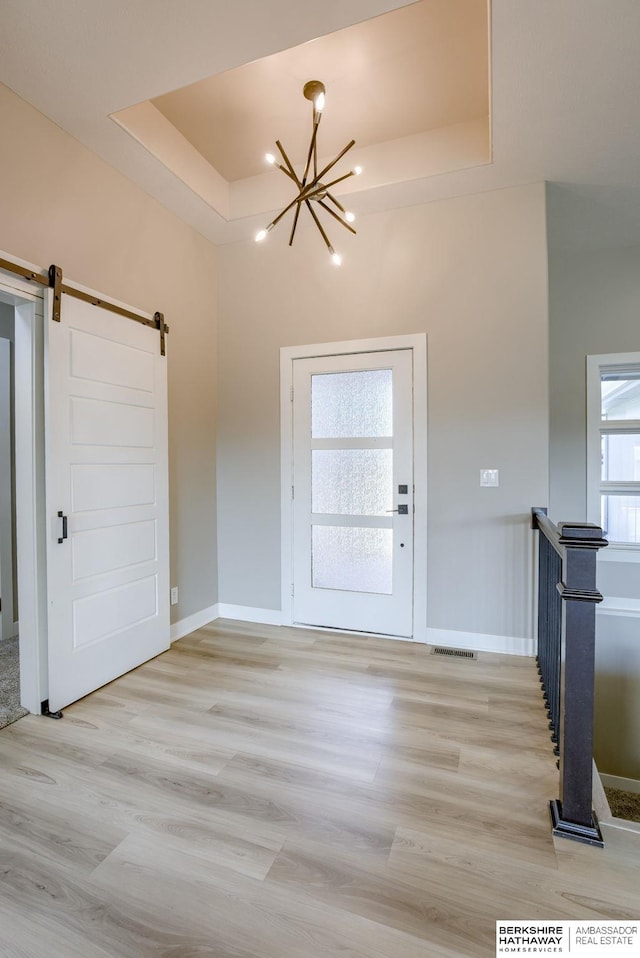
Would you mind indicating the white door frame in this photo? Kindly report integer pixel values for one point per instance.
(418, 344)
(27, 300)
(7, 617)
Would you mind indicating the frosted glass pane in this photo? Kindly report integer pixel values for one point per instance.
(356, 482)
(621, 398)
(352, 559)
(344, 405)
(621, 518)
(621, 458)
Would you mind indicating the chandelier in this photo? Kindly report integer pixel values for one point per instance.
(312, 188)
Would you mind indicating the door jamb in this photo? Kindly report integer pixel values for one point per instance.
(9, 625)
(417, 342)
(29, 455)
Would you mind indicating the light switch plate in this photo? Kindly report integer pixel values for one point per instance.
(489, 477)
(174, 595)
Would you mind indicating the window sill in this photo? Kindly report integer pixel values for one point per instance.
(619, 605)
(619, 553)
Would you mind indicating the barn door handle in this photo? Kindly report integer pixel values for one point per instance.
(62, 516)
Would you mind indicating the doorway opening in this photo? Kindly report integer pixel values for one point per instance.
(22, 499)
(10, 708)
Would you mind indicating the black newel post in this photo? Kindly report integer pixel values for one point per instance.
(572, 814)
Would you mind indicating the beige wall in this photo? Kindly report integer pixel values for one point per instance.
(472, 274)
(60, 203)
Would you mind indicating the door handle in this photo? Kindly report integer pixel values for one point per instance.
(62, 516)
(401, 510)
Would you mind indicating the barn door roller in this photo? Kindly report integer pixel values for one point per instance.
(53, 279)
(55, 282)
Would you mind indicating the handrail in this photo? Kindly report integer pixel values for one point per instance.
(566, 643)
(541, 521)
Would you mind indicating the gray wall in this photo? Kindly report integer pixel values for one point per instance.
(594, 308)
(472, 274)
(6, 321)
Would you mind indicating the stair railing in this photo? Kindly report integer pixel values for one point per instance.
(567, 598)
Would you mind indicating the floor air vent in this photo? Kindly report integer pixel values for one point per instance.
(454, 653)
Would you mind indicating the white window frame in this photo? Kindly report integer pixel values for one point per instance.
(596, 366)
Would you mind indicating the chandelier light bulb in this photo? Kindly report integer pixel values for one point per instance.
(337, 259)
(270, 158)
(319, 102)
(260, 235)
(350, 217)
(357, 170)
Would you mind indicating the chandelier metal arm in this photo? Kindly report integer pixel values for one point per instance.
(295, 223)
(333, 162)
(284, 211)
(336, 216)
(298, 199)
(319, 225)
(336, 202)
(314, 189)
(312, 148)
(286, 172)
(292, 172)
(315, 159)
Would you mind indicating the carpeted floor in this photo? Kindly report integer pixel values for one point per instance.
(10, 708)
(624, 804)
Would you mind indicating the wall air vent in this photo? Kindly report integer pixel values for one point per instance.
(454, 653)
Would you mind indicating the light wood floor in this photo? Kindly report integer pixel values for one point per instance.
(268, 793)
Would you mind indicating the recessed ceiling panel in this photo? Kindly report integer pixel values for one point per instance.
(420, 68)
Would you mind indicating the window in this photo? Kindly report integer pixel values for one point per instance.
(613, 446)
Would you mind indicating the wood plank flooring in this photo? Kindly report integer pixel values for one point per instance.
(262, 792)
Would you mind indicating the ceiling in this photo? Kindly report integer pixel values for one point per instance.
(410, 86)
(564, 94)
(422, 67)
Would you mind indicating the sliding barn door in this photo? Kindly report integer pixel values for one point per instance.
(107, 499)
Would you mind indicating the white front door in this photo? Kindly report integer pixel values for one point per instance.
(107, 498)
(353, 492)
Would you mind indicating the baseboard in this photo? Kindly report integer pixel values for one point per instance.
(624, 784)
(14, 633)
(481, 642)
(192, 622)
(477, 641)
(249, 613)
